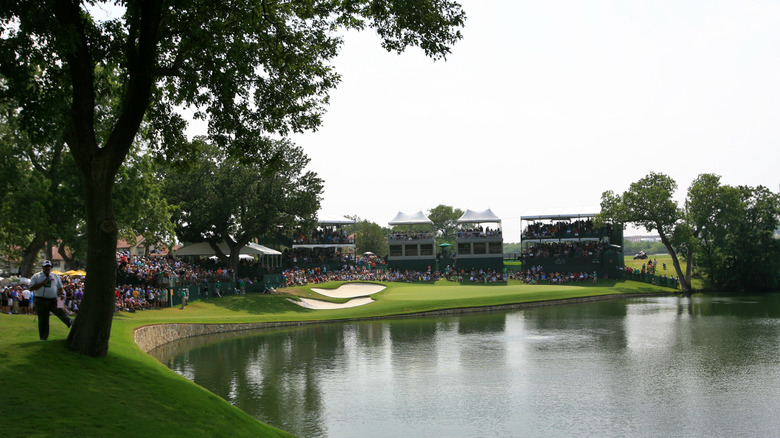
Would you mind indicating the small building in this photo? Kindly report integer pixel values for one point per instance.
(480, 243)
(411, 244)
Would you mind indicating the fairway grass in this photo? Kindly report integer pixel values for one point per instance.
(696, 283)
(49, 391)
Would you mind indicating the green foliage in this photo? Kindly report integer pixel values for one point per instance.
(141, 207)
(222, 198)
(250, 68)
(727, 231)
(654, 247)
(445, 222)
(369, 236)
(513, 248)
(737, 249)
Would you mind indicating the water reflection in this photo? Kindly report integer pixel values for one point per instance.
(648, 367)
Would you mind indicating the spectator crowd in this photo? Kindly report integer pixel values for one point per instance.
(565, 249)
(18, 299)
(479, 232)
(322, 236)
(578, 228)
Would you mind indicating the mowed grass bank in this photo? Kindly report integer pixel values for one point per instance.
(49, 391)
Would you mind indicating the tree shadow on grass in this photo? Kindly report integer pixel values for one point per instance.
(257, 304)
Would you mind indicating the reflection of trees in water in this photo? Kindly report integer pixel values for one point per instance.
(479, 339)
(737, 326)
(564, 326)
(482, 323)
(413, 345)
(629, 359)
(272, 374)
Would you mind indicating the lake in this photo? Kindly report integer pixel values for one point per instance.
(655, 366)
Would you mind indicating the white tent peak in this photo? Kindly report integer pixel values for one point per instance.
(471, 216)
(410, 219)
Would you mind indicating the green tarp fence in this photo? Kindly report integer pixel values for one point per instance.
(205, 291)
(652, 279)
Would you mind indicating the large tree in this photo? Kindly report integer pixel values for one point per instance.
(649, 204)
(250, 67)
(369, 236)
(735, 246)
(728, 231)
(220, 198)
(40, 204)
(445, 221)
(38, 198)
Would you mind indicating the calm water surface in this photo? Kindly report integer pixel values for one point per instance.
(701, 366)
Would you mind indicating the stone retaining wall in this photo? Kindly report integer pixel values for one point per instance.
(149, 337)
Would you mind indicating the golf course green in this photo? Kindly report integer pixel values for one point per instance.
(49, 391)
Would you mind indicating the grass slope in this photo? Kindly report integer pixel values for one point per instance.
(49, 391)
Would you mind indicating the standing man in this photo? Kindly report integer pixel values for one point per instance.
(47, 288)
(26, 299)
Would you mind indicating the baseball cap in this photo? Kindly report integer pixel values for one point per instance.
(46, 263)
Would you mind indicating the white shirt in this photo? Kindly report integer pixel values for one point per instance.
(46, 291)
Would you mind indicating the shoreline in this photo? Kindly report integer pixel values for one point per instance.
(148, 337)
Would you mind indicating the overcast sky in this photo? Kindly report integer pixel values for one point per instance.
(548, 104)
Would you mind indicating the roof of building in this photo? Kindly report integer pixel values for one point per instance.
(203, 248)
(325, 219)
(410, 219)
(560, 213)
(471, 216)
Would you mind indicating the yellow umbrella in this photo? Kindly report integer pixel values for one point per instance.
(80, 273)
(57, 272)
(70, 273)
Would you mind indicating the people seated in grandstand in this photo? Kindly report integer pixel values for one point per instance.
(479, 232)
(411, 235)
(561, 229)
(322, 236)
(565, 249)
(307, 256)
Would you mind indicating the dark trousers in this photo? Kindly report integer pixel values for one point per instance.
(42, 308)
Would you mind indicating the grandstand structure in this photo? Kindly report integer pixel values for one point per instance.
(569, 241)
(327, 245)
(411, 243)
(479, 243)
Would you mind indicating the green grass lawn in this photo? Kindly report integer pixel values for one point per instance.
(696, 283)
(49, 391)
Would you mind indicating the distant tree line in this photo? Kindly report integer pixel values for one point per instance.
(726, 231)
(648, 246)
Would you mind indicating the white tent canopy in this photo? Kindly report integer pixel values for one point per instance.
(473, 217)
(410, 219)
(324, 219)
(203, 248)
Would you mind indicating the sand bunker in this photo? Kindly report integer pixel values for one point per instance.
(358, 291)
(324, 305)
(350, 290)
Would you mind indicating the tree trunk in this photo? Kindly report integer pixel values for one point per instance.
(29, 255)
(685, 282)
(70, 262)
(98, 166)
(688, 267)
(92, 328)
